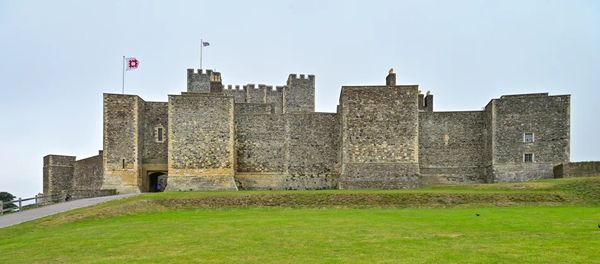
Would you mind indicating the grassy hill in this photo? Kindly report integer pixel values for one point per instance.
(549, 221)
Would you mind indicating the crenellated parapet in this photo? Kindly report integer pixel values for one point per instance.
(259, 136)
(299, 94)
(296, 96)
(203, 81)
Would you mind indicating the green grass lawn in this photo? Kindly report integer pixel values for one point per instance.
(183, 228)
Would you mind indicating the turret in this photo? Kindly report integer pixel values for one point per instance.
(299, 94)
(204, 82)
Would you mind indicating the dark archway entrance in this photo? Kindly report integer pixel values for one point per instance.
(157, 181)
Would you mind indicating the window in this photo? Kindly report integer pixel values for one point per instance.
(528, 157)
(159, 134)
(528, 137)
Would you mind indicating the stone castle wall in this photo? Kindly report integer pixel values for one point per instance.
(156, 115)
(451, 146)
(285, 151)
(201, 142)
(312, 151)
(65, 174)
(88, 174)
(216, 137)
(379, 137)
(58, 173)
(548, 117)
(123, 135)
(577, 169)
(299, 94)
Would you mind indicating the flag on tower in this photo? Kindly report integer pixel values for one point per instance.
(205, 44)
(131, 63)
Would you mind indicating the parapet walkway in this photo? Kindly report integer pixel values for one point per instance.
(35, 213)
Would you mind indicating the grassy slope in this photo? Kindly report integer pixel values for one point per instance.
(170, 227)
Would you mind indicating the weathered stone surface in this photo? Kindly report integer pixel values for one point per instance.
(451, 146)
(58, 173)
(88, 173)
(201, 141)
(379, 126)
(548, 117)
(122, 154)
(577, 169)
(216, 137)
(299, 94)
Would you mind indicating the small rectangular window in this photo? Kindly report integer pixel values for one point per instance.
(528, 157)
(528, 137)
(160, 134)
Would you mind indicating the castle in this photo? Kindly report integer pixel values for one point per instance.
(217, 137)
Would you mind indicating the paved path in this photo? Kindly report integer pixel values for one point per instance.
(35, 213)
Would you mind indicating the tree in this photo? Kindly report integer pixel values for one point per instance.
(7, 197)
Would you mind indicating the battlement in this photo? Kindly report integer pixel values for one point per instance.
(382, 136)
(203, 81)
(294, 76)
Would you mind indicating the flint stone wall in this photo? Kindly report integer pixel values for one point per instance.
(292, 151)
(88, 174)
(123, 135)
(58, 173)
(577, 169)
(379, 137)
(548, 117)
(451, 146)
(201, 142)
(156, 114)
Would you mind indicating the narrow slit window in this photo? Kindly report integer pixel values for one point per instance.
(159, 134)
(528, 157)
(528, 137)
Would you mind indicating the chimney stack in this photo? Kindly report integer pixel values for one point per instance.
(390, 80)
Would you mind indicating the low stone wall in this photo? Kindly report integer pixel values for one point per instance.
(519, 172)
(577, 169)
(68, 195)
(88, 173)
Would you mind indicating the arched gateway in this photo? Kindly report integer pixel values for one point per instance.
(157, 181)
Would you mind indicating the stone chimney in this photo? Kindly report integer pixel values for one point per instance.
(390, 80)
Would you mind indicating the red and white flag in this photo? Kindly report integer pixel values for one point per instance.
(131, 63)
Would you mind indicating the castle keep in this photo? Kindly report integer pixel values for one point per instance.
(217, 137)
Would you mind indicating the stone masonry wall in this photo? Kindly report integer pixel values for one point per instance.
(577, 169)
(238, 93)
(58, 173)
(88, 173)
(299, 94)
(201, 142)
(122, 142)
(155, 116)
(260, 138)
(295, 151)
(548, 117)
(263, 94)
(313, 147)
(451, 146)
(379, 137)
(198, 81)
(488, 139)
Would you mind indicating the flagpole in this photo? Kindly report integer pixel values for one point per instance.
(201, 46)
(123, 80)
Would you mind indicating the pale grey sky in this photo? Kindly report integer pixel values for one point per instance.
(58, 57)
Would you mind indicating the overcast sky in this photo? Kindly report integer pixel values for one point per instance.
(58, 57)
